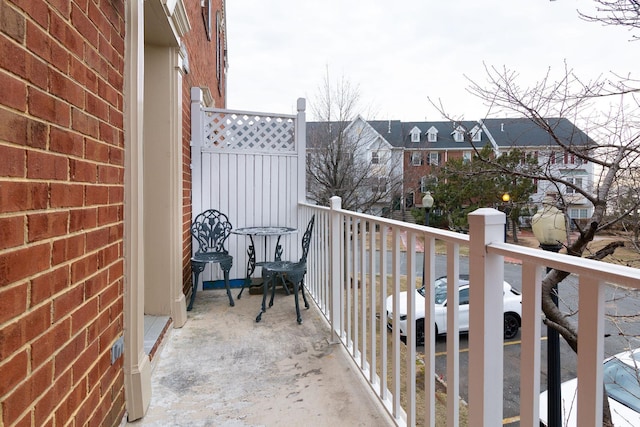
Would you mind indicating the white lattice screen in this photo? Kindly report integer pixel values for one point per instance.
(246, 131)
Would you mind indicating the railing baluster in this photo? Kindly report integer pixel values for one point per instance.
(453, 334)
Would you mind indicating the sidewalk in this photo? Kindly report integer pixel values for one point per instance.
(223, 369)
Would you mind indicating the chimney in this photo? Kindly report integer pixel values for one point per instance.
(389, 128)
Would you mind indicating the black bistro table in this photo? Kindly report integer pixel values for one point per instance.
(265, 232)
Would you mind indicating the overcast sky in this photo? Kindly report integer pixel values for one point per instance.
(400, 52)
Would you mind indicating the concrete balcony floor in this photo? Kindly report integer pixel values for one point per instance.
(224, 369)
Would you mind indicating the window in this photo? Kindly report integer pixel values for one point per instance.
(432, 134)
(375, 158)
(466, 157)
(476, 134)
(428, 183)
(557, 157)
(415, 136)
(206, 16)
(578, 213)
(575, 181)
(379, 185)
(416, 158)
(458, 137)
(434, 159)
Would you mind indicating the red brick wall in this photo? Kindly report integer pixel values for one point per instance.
(202, 60)
(61, 211)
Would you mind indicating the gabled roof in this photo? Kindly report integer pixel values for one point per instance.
(502, 133)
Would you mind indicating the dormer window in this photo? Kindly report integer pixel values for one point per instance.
(432, 134)
(476, 134)
(458, 134)
(415, 134)
(375, 158)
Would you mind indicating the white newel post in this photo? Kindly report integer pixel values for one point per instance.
(486, 324)
(301, 145)
(197, 136)
(335, 287)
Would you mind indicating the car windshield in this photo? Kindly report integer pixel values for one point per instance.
(622, 383)
(440, 287)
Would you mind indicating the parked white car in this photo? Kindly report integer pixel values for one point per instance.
(621, 377)
(512, 309)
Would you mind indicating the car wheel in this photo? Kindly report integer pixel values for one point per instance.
(511, 325)
(420, 332)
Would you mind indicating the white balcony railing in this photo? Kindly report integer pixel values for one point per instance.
(355, 261)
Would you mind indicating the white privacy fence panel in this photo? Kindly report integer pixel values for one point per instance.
(251, 167)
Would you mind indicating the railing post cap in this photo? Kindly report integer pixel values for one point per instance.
(196, 94)
(335, 202)
(488, 216)
(302, 104)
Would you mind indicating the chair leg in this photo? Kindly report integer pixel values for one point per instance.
(265, 286)
(274, 281)
(226, 284)
(295, 294)
(196, 269)
(304, 297)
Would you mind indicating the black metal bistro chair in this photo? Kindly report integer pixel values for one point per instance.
(291, 271)
(211, 229)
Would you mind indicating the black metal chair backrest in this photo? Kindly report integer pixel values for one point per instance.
(211, 229)
(306, 239)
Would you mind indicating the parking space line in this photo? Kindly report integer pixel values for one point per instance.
(465, 350)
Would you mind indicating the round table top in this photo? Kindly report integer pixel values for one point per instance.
(265, 231)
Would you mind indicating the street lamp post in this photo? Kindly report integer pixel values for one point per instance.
(427, 204)
(505, 199)
(549, 227)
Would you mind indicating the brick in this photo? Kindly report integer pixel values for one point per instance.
(65, 357)
(116, 232)
(108, 297)
(108, 134)
(12, 57)
(97, 151)
(37, 134)
(116, 195)
(117, 270)
(12, 161)
(48, 401)
(68, 301)
(83, 268)
(86, 360)
(110, 174)
(65, 142)
(65, 195)
(108, 214)
(12, 23)
(116, 156)
(45, 286)
(11, 232)
(38, 11)
(72, 401)
(97, 326)
(43, 165)
(22, 397)
(22, 196)
(67, 249)
(96, 284)
(108, 92)
(46, 225)
(84, 26)
(14, 91)
(13, 371)
(13, 302)
(81, 171)
(65, 88)
(83, 219)
(44, 106)
(84, 316)
(97, 239)
(17, 334)
(38, 41)
(14, 127)
(96, 194)
(22, 263)
(108, 255)
(43, 348)
(97, 107)
(83, 123)
(88, 407)
(67, 36)
(36, 71)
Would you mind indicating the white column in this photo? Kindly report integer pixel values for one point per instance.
(486, 324)
(335, 256)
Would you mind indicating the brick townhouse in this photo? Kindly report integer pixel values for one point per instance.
(95, 200)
